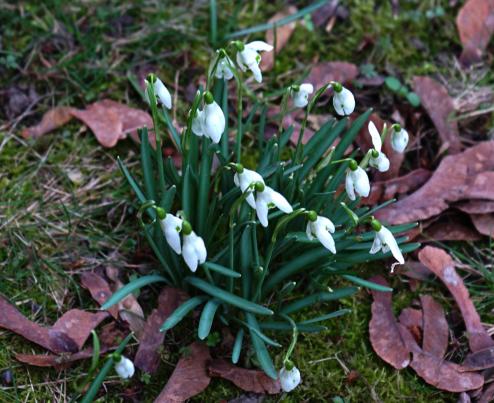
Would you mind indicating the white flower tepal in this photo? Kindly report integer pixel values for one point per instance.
(379, 161)
(399, 138)
(244, 179)
(124, 368)
(321, 228)
(343, 100)
(248, 57)
(356, 181)
(209, 122)
(171, 226)
(385, 241)
(194, 250)
(269, 197)
(161, 92)
(301, 94)
(289, 379)
(224, 69)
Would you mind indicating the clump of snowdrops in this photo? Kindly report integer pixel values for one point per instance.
(256, 247)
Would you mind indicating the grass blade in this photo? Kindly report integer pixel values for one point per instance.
(367, 284)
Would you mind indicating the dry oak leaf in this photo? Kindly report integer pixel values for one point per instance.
(324, 72)
(151, 339)
(110, 121)
(283, 34)
(476, 206)
(479, 360)
(412, 319)
(475, 23)
(442, 374)
(438, 104)
(383, 329)
(68, 334)
(448, 229)
(99, 289)
(249, 380)
(189, 377)
(484, 223)
(61, 361)
(442, 265)
(458, 177)
(435, 328)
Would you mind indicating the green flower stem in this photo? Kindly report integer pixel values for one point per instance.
(238, 140)
(294, 337)
(365, 161)
(231, 256)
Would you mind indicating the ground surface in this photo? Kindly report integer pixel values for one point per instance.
(65, 207)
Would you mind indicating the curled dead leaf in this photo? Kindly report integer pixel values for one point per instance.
(435, 327)
(324, 72)
(148, 355)
(383, 329)
(249, 380)
(190, 376)
(441, 264)
(484, 223)
(99, 289)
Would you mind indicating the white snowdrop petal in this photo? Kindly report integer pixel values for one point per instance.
(344, 102)
(259, 46)
(189, 254)
(125, 368)
(399, 141)
(375, 136)
(162, 93)
(326, 239)
(307, 88)
(308, 231)
(376, 245)
(278, 200)
(198, 123)
(389, 240)
(240, 62)
(349, 185)
(289, 380)
(214, 122)
(256, 71)
(361, 182)
(262, 212)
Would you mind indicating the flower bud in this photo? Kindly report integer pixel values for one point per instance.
(353, 165)
(376, 225)
(259, 187)
(337, 87)
(186, 228)
(208, 98)
(312, 215)
(161, 213)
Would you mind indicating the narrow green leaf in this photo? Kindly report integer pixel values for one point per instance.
(187, 201)
(260, 348)
(227, 297)
(284, 326)
(246, 260)
(222, 270)
(179, 313)
(132, 286)
(350, 135)
(168, 197)
(133, 184)
(147, 164)
(213, 22)
(237, 346)
(318, 137)
(319, 297)
(328, 316)
(173, 131)
(286, 136)
(367, 284)
(204, 182)
(207, 317)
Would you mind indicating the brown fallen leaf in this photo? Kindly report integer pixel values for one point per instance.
(110, 121)
(484, 223)
(479, 360)
(384, 334)
(475, 23)
(189, 377)
(249, 380)
(441, 264)
(129, 303)
(283, 35)
(148, 354)
(59, 362)
(438, 104)
(476, 206)
(412, 319)
(435, 328)
(487, 395)
(456, 178)
(451, 230)
(68, 334)
(442, 374)
(99, 290)
(324, 72)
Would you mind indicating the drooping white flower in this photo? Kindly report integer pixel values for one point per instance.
(194, 250)
(224, 69)
(270, 197)
(399, 138)
(321, 228)
(301, 97)
(248, 57)
(380, 162)
(289, 379)
(161, 92)
(244, 179)
(171, 226)
(343, 100)
(209, 122)
(356, 181)
(124, 368)
(385, 241)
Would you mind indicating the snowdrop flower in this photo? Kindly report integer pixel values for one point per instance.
(377, 160)
(321, 228)
(399, 138)
(209, 122)
(265, 197)
(300, 94)
(385, 241)
(171, 226)
(124, 367)
(343, 100)
(244, 178)
(194, 250)
(356, 181)
(289, 377)
(224, 69)
(160, 91)
(248, 56)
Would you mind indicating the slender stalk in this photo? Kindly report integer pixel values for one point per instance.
(238, 142)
